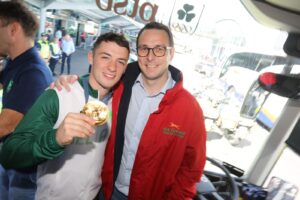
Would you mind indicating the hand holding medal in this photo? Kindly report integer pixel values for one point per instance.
(96, 110)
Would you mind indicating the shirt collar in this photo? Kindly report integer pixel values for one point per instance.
(168, 85)
(18, 61)
(95, 93)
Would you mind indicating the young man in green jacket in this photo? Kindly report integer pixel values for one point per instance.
(65, 143)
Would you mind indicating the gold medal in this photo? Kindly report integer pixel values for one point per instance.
(96, 110)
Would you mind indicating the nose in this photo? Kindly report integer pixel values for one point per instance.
(112, 66)
(150, 55)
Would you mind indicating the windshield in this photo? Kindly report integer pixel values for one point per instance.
(220, 52)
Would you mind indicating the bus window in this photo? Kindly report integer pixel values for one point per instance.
(252, 61)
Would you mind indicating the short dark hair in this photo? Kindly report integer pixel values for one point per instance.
(111, 37)
(15, 11)
(158, 26)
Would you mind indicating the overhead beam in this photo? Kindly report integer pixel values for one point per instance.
(129, 26)
(90, 16)
(48, 3)
(89, 10)
(71, 5)
(109, 19)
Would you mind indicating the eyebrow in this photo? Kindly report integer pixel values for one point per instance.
(108, 54)
(162, 45)
(123, 59)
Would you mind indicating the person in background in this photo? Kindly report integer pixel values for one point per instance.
(43, 46)
(68, 48)
(63, 32)
(157, 148)
(23, 79)
(82, 38)
(58, 34)
(49, 35)
(55, 54)
(50, 133)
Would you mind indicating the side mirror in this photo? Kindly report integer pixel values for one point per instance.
(254, 100)
(282, 85)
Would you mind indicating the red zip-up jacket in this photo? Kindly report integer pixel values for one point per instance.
(172, 150)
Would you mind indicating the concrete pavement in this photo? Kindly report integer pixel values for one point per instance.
(79, 63)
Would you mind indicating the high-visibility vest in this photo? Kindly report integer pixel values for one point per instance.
(56, 50)
(45, 49)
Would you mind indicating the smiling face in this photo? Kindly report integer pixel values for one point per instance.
(155, 68)
(109, 62)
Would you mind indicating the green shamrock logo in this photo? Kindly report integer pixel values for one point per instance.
(185, 13)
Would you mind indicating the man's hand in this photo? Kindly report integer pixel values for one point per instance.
(64, 81)
(9, 119)
(74, 125)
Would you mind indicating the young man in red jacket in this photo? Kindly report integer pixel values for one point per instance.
(157, 146)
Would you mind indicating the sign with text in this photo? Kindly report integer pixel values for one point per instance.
(146, 11)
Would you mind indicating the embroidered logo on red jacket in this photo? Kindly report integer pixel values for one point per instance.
(172, 125)
(173, 129)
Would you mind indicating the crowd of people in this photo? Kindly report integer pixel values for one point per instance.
(152, 146)
(53, 49)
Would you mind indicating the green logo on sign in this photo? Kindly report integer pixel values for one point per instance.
(185, 13)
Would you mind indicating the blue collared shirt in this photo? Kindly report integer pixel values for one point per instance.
(140, 107)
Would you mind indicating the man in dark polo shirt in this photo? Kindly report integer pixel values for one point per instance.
(23, 79)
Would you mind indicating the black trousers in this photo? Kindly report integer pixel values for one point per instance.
(52, 64)
(63, 60)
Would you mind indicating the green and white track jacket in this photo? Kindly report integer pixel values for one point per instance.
(71, 172)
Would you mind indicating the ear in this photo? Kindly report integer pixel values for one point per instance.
(172, 52)
(14, 29)
(90, 57)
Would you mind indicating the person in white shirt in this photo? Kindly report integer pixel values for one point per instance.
(67, 48)
(58, 34)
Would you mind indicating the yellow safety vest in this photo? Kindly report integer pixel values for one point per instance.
(45, 49)
(55, 47)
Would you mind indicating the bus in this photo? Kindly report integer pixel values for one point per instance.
(252, 60)
(239, 75)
